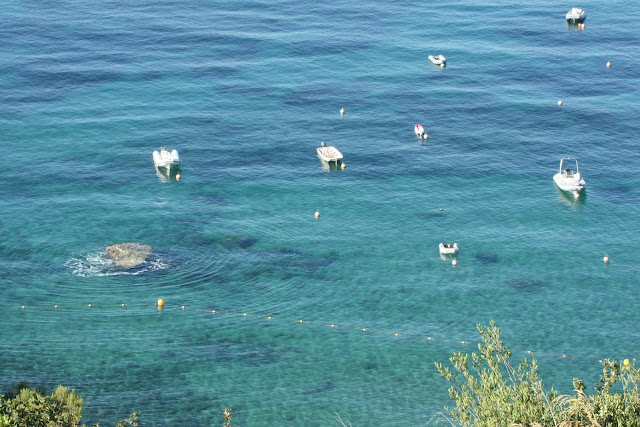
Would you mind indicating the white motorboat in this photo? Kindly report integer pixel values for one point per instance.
(165, 159)
(419, 130)
(449, 248)
(329, 153)
(568, 179)
(438, 60)
(576, 15)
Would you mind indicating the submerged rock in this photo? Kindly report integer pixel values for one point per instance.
(129, 255)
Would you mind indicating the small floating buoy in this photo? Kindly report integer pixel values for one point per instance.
(317, 214)
(608, 64)
(626, 362)
(441, 209)
(442, 65)
(576, 194)
(454, 262)
(606, 259)
(342, 111)
(425, 135)
(344, 165)
(560, 102)
(177, 177)
(160, 302)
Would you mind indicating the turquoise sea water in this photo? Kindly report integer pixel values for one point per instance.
(246, 91)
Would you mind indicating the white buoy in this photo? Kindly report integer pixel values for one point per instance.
(317, 214)
(608, 64)
(177, 177)
(454, 262)
(560, 102)
(442, 65)
(342, 111)
(606, 259)
(576, 195)
(343, 165)
(425, 135)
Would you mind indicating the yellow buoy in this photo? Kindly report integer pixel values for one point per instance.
(560, 102)
(317, 214)
(160, 302)
(608, 64)
(606, 259)
(626, 362)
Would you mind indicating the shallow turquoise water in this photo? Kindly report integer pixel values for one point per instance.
(246, 92)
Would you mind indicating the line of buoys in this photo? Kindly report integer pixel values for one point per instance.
(161, 303)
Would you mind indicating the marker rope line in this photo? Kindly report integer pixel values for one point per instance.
(160, 305)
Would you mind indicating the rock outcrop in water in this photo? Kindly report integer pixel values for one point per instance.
(129, 255)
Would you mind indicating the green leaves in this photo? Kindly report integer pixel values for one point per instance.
(492, 393)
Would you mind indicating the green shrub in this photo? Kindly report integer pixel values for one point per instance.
(491, 392)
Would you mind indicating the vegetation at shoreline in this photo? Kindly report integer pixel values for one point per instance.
(22, 406)
(490, 392)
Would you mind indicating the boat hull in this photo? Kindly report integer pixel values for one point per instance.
(329, 154)
(448, 249)
(576, 16)
(437, 59)
(169, 161)
(571, 185)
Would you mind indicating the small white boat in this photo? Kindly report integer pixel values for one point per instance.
(449, 248)
(568, 179)
(438, 59)
(329, 153)
(419, 130)
(166, 159)
(576, 15)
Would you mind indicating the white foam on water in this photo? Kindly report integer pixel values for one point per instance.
(98, 264)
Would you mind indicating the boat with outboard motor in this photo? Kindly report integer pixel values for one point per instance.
(449, 248)
(165, 159)
(329, 153)
(438, 60)
(568, 179)
(419, 130)
(576, 15)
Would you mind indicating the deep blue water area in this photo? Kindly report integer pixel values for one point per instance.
(246, 91)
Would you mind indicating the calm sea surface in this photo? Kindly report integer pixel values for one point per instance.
(246, 91)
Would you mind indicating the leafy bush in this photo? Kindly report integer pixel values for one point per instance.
(30, 408)
(491, 392)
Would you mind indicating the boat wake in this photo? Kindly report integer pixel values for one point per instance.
(98, 264)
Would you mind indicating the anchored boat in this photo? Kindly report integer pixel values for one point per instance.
(576, 15)
(449, 248)
(329, 153)
(438, 60)
(165, 159)
(568, 179)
